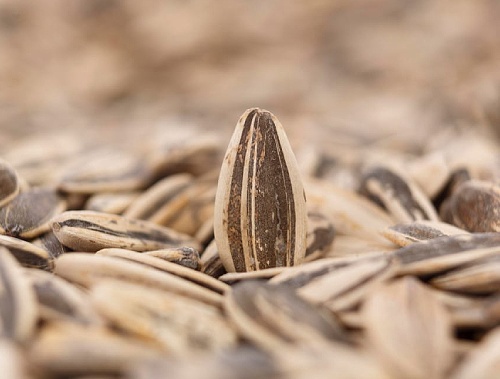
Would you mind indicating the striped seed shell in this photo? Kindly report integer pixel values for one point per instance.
(274, 316)
(475, 206)
(409, 330)
(400, 196)
(91, 231)
(88, 269)
(28, 215)
(18, 311)
(443, 253)
(406, 234)
(180, 325)
(260, 207)
(9, 183)
(27, 254)
(110, 202)
(184, 256)
(69, 350)
(60, 300)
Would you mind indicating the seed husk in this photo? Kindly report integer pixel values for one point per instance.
(169, 267)
(9, 183)
(481, 276)
(27, 254)
(105, 171)
(235, 277)
(29, 214)
(406, 234)
(87, 270)
(400, 196)
(350, 213)
(409, 330)
(91, 231)
(320, 236)
(18, 312)
(475, 206)
(68, 349)
(150, 201)
(184, 256)
(260, 206)
(210, 261)
(178, 324)
(12, 361)
(483, 361)
(48, 241)
(274, 316)
(191, 207)
(114, 202)
(442, 253)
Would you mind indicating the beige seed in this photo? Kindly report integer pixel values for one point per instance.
(409, 330)
(91, 231)
(260, 209)
(18, 312)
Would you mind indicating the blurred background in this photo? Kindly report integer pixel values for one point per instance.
(392, 71)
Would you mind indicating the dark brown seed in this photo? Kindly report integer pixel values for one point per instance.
(475, 206)
(260, 210)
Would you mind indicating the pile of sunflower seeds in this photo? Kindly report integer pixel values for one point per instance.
(162, 262)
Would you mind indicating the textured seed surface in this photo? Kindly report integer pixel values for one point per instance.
(28, 215)
(28, 254)
(18, 311)
(260, 210)
(9, 183)
(92, 231)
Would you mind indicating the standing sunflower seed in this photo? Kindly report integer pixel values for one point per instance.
(260, 207)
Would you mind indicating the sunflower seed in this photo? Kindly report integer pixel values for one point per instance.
(9, 183)
(28, 215)
(64, 349)
(151, 200)
(18, 312)
(403, 199)
(178, 324)
(59, 300)
(483, 361)
(184, 256)
(12, 361)
(475, 206)
(27, 253)
(105, 171)
(91, 231)
(210, 261)
(49, 242)
(235, 277)
(350, 213)
(406, 234)
(442, 253)
(169, 267)
(108, 202)
(260, 210)
(481, 276)
(87, 270)
(409, 329)
(273, 316)
(430, 173)
(320, 235)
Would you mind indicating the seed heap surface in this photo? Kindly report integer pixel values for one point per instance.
(179, 260)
